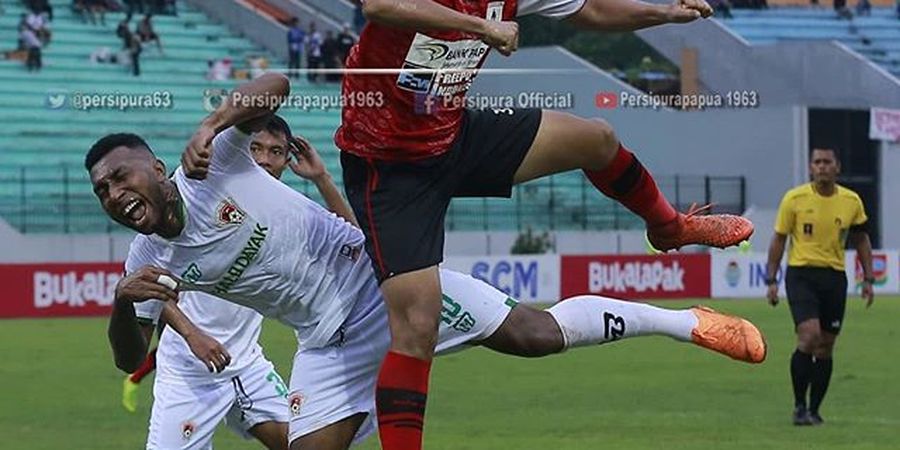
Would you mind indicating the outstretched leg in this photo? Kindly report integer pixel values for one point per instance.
(565, 142)
(592, 320)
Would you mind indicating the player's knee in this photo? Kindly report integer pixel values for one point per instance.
(606, 138)
(415, 333)
(538, 336)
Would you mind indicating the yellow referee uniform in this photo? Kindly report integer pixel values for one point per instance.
(818, 226)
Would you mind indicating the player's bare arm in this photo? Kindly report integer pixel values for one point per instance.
(248, 117)
(307, 164)
(860, 241)
(776, 250)
(630, 15)
(208, 350)
(128, 341)
(426, 15)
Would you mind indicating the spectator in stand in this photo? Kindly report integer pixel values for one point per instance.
(843, 12)
(346, 41)
(80, 9)
(37, 22)
(33, 44)
(134, 6)
(146, 33)
(330, 57)
(134, 52)
(359, 19)
(123, 31)
(219, 70)
(313, 52)
(295, 38)
(722, 8)
(864, 8)
(96, 8)
(41, 7)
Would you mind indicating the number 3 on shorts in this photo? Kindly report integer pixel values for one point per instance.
(280, 387)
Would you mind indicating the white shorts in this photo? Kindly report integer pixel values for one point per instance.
(332, 383)
(185, 415)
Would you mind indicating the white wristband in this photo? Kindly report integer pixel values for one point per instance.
(167, 281)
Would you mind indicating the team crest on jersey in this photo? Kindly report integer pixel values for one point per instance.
(187, 430)
(296, 401)
(495, 12)
(228, 213)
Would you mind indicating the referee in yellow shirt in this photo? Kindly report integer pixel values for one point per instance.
(819, 217)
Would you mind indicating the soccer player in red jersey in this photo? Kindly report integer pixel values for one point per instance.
(404, 161)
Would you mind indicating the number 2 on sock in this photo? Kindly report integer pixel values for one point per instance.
(615, 332)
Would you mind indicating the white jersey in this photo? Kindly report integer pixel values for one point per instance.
(254, 241)
(234, 326)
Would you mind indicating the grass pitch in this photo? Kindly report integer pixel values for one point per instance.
(59, 389)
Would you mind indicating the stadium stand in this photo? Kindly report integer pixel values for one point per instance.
(876, 36)
(44, 189)
(42, 185)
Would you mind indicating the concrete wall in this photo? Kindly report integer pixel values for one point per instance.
(242, 19)
(815, 74)
(890, 191)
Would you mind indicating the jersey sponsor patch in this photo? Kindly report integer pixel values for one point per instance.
(441, 68)
(228, 213)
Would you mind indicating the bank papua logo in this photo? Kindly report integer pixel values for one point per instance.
(434, 50)
(296, 401)
(733, 274)
(187, 430)
(228, 213)
(879, 270)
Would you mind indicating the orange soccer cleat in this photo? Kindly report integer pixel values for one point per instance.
(692, 228)
(728, 335)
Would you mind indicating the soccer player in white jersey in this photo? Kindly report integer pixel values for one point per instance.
(249, 394)
(242, 236)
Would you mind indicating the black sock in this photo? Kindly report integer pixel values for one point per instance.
(821, 376)
(801, 372)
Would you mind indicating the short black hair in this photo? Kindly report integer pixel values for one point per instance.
(827, 148)
(278, 125)
(110, 142)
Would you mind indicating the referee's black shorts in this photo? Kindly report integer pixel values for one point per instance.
(401, 205)
(817, 293)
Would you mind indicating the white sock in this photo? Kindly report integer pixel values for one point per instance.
(590, 319)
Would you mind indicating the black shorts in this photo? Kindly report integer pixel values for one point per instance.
(817, 293)
(401, 205)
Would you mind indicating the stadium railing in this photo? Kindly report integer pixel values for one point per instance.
(58, 199)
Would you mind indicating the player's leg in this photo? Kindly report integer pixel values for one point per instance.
(804, 305)
(332, 389)
(185, 416)
(130, 385)
(592, 320)
(401, 208)
(833, 292)
(566, 142)
(476, 312)
(261, 408)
